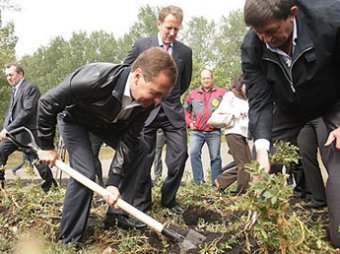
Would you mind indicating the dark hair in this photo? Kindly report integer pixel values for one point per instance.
(153, 61)
(18, 67)
(174, 10)
(258, 12)
(237, 87)
(238, 82)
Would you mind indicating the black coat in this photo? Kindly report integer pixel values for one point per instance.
(23, 111)
(92, 96)
(171, 104)
(312, 86)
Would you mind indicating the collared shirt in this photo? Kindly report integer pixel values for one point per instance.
(160, 43)
(127, 103)
(287, 59)
(263, 143)
(16, 87)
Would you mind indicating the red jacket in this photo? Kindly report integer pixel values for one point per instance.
(199, 106)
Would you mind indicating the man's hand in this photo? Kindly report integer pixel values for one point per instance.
(48, 157)
(334, 136)
(192, 126)
(263, 158)
(115, 195)
(3, 135)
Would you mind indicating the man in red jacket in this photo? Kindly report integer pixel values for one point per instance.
(198, 106)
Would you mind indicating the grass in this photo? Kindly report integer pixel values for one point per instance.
(29, 221)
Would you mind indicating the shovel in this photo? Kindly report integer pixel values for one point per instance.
(189, 242)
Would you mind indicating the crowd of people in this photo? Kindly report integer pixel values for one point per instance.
(287, 91)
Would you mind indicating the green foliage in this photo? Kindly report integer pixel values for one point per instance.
(50, 65)
(227, 44)
(271, 221)
(7, 54)
(285, 153)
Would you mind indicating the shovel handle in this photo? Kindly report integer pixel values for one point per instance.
(103, 192)
(157, 226)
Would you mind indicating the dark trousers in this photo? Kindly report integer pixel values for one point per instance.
(77, 202)
(158, 164)
(240, 151)
(176, 156)
(96, 144)
(287, 127)
(7, 148)
(311, 137)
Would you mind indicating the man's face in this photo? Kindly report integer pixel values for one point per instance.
(206, 80)
(169, 28)
(151, 92)
(12, 76)
(275, 32)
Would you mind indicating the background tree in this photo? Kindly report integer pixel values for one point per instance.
(50, 65)
(8, 42)
(145, 26)
(199, 35)
(227, 44)
(215, 45)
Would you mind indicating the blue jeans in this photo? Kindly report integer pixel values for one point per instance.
(213, 140)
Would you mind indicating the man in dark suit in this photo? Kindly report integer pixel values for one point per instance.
(22, 111)
(169, 115)
(111, 102)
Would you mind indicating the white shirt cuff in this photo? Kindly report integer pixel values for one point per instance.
(262, 144)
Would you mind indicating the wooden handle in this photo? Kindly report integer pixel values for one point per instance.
(103, 192)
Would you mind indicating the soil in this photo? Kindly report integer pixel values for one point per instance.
(191, 218)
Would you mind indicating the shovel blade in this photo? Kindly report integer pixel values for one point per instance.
(191, 241)
(194, 237)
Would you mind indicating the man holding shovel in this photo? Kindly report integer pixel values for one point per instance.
(111, 102)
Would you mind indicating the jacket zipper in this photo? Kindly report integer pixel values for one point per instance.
(290, 69)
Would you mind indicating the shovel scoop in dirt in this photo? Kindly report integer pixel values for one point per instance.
(187, 243)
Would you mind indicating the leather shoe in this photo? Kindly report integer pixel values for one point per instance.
(126, 222)
(176, 209)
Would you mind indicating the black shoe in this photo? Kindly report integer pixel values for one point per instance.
(314, 204)
(47, 185)
(124, 222)
(299, 195)
(237, 193)
(176, 209)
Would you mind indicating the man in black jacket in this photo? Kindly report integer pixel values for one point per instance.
(22, 111)
(291, 62)
(111, 102)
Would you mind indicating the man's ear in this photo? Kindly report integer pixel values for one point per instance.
(293, 11)
(137, 74)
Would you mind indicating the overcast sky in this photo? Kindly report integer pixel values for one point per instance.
(39, 21)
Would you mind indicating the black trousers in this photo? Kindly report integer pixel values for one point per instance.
(287, 127)
(7, 148)
(176, 156)
(311, 137)
(78, 198)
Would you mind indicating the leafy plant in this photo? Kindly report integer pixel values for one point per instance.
(271, 221)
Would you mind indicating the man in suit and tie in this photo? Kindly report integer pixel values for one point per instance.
(22, 111)
(169, 114)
